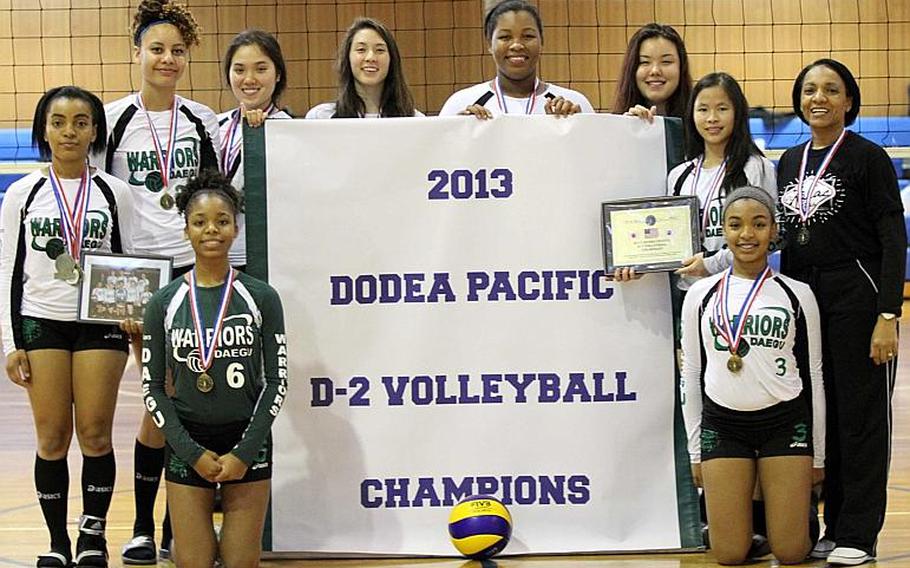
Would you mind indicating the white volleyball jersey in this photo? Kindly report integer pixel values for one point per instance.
(483, 94)
(759, 172)
(232, 163)
(782, 332)
(31, 233)
(131, 156)
(327, 110)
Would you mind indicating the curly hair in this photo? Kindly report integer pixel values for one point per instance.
(209, 181)
(151, 12)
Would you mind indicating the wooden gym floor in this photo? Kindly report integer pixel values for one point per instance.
(23, 535)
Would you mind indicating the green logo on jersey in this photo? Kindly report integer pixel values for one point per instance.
(143, 165)
(763, 329)
(46, 232)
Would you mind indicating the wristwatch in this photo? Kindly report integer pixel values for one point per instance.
(887, 316)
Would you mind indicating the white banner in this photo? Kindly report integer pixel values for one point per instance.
(451, 334)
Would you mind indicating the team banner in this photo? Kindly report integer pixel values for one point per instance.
(451, 333)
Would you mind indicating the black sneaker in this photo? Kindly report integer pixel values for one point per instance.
(91, 547)
(139, 551)
(759, 548)
(55, 559)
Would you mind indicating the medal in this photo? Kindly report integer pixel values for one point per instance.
(204, 383)
(501, 99)
(166, 201)
(209, 344)
(804, 195)
(67, 269)
(722, 320)
(164, 159)
(66, 251)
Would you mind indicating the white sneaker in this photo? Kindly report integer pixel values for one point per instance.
(847, 556)
(139, 551)
(822, 548)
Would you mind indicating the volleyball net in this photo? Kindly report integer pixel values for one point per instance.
(763, 43)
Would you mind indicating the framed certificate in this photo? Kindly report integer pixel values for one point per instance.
(650, 234)
(116, 286)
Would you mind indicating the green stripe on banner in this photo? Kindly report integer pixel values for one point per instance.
(686, 494)
(257, 242)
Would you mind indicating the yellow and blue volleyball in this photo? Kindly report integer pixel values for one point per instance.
(480, 526)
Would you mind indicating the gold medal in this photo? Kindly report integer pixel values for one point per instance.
(204, 382)
(735, 363)
(166, 201)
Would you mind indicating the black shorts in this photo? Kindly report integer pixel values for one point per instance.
(221, 439)
(41, 333)
(784, 429)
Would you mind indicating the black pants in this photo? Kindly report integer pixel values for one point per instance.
(858, 395)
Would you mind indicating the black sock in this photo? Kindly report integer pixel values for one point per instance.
(148, 464)
(98, 484)
(166, 534)
(759, 525)
(52, 481)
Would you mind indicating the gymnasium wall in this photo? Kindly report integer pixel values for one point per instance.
(764, 43)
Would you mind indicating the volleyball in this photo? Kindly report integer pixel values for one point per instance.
(480, 526)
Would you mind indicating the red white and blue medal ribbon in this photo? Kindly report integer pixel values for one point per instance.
(501, 99)
(804, 199)
(168, 154)
(232, 142)
(733, 335)
(207, 348)
(713, 188)
(72, 220)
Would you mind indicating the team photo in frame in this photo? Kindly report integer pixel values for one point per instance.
(116, 287)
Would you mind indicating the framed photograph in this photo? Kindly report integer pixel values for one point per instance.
(115, 287)
(650, 234)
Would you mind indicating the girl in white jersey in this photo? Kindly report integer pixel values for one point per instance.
(70, 370)
(752, 393)
(514, 33)
(371, 81)
(720, 155)
(255, 71)
(157, 141)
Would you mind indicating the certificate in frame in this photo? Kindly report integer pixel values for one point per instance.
(650, 234)
(116, 287)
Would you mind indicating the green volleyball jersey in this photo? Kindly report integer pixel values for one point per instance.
(249, 369)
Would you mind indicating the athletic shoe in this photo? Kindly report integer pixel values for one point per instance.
(166, 552)
(91, 547)
(54, 559)
(847, 556)
(140, 551)
(759, 548)
(822, 549)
